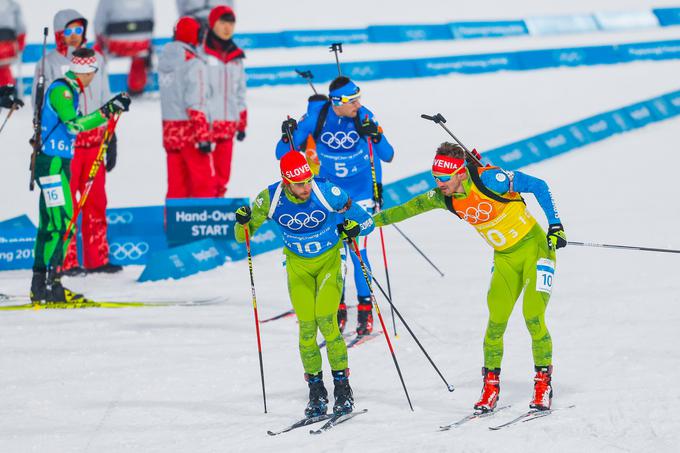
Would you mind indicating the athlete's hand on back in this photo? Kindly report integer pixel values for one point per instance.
(243, 215)
(557, 238)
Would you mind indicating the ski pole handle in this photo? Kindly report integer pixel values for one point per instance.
(438, 118)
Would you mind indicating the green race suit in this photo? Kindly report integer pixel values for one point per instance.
(527, 265)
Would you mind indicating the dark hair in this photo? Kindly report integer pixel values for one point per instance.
(83, 52)
(338, 83)
(451, 149)
(227, 17)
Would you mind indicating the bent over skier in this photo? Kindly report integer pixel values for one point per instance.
(489, 199)
(313, 216)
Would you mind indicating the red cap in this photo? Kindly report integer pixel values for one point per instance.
(186, 30)
(446, 165)
(218, 12)
(294, 168)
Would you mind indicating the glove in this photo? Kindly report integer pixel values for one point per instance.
(240, 135)
(119, 103)
(369, 128)
(379, 201)
(557, 238)
(243, 215)
(290, 125)
(349, 229)
(112, 153)
(204, 147)
(8, 97)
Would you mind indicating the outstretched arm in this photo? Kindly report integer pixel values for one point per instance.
(62, 101)
(424, 202)
(260, 210)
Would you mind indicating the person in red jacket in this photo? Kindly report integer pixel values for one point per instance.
(227, 83)
(12, 39)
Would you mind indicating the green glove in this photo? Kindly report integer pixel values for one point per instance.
(557, 238)
(349, 229)
(243, 215)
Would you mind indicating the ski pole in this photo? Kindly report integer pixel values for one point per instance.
(307, 75)
(449, 387)
(418, 249)
(9, 114)
(624, 247)
(336, 48)
(382, 322)
(94, 169)
(438, 118)
(376, 197)
(257, 323)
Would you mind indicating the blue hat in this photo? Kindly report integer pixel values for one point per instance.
(344, 94)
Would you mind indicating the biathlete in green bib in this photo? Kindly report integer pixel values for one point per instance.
(488, 198)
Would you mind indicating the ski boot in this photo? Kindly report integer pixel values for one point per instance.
(342, 316)
(75, 271)
(490, 391)
(344, 400)
(318, 396)
(57, 294)
(39, 292)
(364, 316)
(542, 388)
(107, 268)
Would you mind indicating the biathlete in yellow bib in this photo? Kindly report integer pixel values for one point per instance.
(488, 198)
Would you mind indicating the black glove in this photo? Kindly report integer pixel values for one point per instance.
(349, 229)
(368, 128)
(112, 153)
(557, 238)
(243, 215)
(379, 200)
(290, 125)
(204, 147)
(8, 97)
(240, 135)
(118, 103)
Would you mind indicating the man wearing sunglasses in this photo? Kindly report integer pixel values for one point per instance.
(489, 199)
(314, 216)
(61, 124)
(341, 128)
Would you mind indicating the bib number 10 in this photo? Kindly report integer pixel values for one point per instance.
(310, 248)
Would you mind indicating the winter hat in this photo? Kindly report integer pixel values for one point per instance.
(186, 30)
(344, 93)
(294, 168)
(217, 12)
(83, 61)
(444, 165)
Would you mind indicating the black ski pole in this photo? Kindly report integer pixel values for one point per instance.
(624, 247)
(382, 322)
(308, 76)
(336, 48)
(418, 249)
(9, 114)
(438, 118)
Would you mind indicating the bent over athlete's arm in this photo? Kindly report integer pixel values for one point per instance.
(61, 100)
(424, 202)
(260, 211)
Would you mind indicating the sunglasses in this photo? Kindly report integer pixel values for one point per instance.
(74, 30)
(299, 183)
(346, 99)
(446, 178)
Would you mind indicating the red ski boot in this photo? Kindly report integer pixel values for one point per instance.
(542, 388)
(489, 398)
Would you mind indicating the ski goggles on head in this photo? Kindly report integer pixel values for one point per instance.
(75, 30)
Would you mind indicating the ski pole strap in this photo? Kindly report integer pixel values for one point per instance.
(623, 247)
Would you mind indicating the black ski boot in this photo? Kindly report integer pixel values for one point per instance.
(107, 268)
(39, 292)
(75, 271)
(364, 316)
(318, 396)
(344, 400)
(59, 295)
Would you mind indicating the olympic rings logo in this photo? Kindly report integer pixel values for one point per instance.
(302, 219)
(124, 217)
(473, 215)
(340, 139)
(129, 250)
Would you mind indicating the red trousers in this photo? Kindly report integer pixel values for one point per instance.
(222, 158)
(191, 174)
(6, 77)
(93, 214)
(138, 75)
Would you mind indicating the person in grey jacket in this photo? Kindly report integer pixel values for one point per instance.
(124, 28)
(12, 38)
(70, 33)
(227, 80)
(182, 76)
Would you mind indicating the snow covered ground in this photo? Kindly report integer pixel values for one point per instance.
(186, 379)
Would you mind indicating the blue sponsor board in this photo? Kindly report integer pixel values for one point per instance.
(497, 29)
(17, 241)
(667, 16)
(639, 114)
(553, 25)
(561, 140)
(599, 127)
(468, 64)
(407, 188)
(297, 38)
(192, 219)
(403, 33)
(182, 261)
(134, 249)
(576, 56)
(674, 100)
(658, 50)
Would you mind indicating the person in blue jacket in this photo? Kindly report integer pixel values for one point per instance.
(345, 133)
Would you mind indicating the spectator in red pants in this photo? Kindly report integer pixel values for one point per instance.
(186, 130)
(227, 102)
(124, 29)
(12, 39)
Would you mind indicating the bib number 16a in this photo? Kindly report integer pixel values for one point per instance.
(545, 273)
